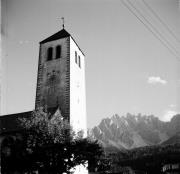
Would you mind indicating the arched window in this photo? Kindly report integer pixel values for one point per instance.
(49, 53)
(58, 51)
(76, 57)
(79, 61)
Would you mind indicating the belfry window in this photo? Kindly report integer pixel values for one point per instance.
(49, 53)
(58, 51)
(76, 57)
(79, 61)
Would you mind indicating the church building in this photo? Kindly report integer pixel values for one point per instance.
(60, 85)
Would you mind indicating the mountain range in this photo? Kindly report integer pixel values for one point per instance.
(133, 131)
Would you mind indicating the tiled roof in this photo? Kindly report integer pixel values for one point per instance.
(11, 123)
(61, 34)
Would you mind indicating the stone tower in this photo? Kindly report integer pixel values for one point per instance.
(61, 78)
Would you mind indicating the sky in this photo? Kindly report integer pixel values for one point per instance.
(131, 48)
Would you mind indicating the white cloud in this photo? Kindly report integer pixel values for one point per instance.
(168, 115)
(156, 80)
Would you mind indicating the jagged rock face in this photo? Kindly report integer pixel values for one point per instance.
(174, 125)
(175, 139)
(131, 131)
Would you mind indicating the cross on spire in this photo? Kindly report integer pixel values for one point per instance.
(62, 22)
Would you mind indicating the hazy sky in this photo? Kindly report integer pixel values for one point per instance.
(128, 69)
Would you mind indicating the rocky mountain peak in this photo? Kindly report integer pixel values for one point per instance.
(132, 131)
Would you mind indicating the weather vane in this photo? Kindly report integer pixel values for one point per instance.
(62, 22)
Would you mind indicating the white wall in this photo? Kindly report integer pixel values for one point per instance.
(77, 89)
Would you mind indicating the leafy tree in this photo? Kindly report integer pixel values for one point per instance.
(50, 146)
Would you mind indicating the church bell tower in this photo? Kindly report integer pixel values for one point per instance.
(61, 78)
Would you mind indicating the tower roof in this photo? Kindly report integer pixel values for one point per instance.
(61, 34)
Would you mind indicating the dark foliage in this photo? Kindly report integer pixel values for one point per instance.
(48, 145)
(149, 159)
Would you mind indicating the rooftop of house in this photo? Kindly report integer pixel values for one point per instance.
(11, 123)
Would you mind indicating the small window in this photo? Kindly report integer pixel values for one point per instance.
(58, 51)
(49, 53)
(76, 57)
(79, 61)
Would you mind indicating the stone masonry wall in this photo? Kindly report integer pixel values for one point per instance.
(54, 77)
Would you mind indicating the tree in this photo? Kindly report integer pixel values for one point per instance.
(50, 146)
